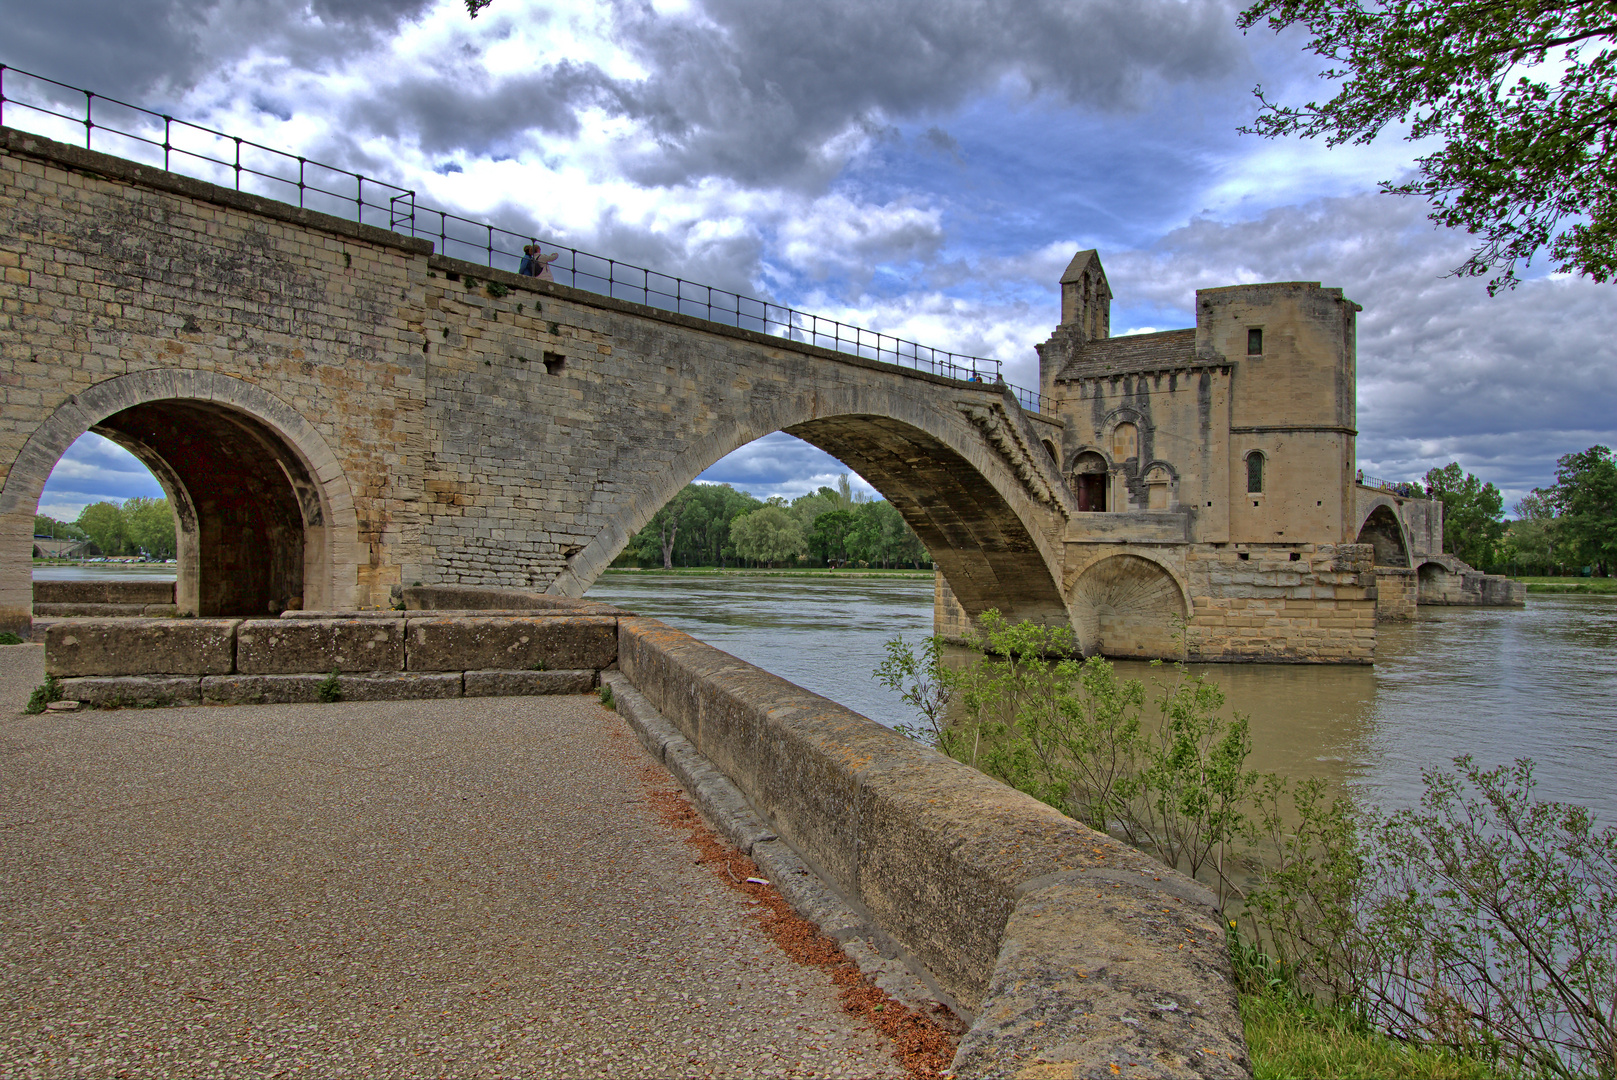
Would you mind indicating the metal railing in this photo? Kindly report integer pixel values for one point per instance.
(1404, 488)
(141, 135)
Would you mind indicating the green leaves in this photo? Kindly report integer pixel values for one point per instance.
(1585, 494)
(1473, 514)
(1521, 95)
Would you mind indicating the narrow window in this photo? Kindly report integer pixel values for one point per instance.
(1254, 342)
(1254, 472)
(554, 363)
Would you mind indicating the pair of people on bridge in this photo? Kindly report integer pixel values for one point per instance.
(535, 264)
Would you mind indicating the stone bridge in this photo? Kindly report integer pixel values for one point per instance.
(1410, 565)
(336, 411)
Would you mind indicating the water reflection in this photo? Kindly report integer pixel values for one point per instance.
(1495, 683)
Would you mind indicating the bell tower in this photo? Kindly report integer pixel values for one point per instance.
(1086, 298)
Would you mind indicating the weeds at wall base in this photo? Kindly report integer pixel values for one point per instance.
(46, 692)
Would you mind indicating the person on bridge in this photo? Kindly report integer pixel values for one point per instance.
(537, 265)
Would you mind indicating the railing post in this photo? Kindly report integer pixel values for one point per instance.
(89, 104)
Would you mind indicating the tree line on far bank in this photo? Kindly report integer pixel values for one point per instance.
(137, 527)
(1557, 530)
(716, 525)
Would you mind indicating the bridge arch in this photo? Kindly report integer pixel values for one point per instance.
(1129, 604)
(1382, 527)
(264, 518)
(992, 532)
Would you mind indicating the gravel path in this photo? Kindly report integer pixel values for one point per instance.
(433, 888)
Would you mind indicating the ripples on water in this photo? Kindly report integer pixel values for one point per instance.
(1496, 683)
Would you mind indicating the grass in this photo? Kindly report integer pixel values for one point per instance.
(1600, 586)
(1288, 1038)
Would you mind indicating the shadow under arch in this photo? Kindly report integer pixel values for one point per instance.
(1127, 605)
(968, 508)
(264, 518)
(1383, 529)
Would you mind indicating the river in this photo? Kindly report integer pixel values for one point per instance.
(1496, 683)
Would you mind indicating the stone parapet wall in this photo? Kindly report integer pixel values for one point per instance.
(1305, 603)
(1397, 588)
(1078, 954)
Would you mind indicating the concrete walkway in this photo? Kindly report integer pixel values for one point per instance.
(424, 888)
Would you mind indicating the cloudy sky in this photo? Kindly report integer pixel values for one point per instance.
(921, 167)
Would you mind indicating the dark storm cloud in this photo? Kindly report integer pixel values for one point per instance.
(761, 91)
(445, 112)
(146, 49)
(1506, 383)
(757, 89)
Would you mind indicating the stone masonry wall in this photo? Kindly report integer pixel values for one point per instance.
(1397, 591)
(109, 269)
(473, 426)
(1306, 604)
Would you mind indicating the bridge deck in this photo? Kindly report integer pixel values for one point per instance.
(389, 888)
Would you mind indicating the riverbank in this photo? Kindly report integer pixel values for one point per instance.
(1571, 585)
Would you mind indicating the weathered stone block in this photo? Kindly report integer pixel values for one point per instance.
(141, 647)
(398, 686)
(524, 683)
(94, 611)
(103, 592)
(291, 646)
(123, 691)
(260, 689)
(511, 644)
(305, 688)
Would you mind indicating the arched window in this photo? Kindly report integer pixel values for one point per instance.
(1125, 442)
(1254, 472)
(1089, 482)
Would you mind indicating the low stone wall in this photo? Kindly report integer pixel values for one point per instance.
(375, 655)
(103, 599)
(1397, 588)
(1078, 954)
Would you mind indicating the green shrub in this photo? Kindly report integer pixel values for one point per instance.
(496, 290)
(46, 692)
(329, 689)
(8, 638)
(606, 696)
(1474, 933)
